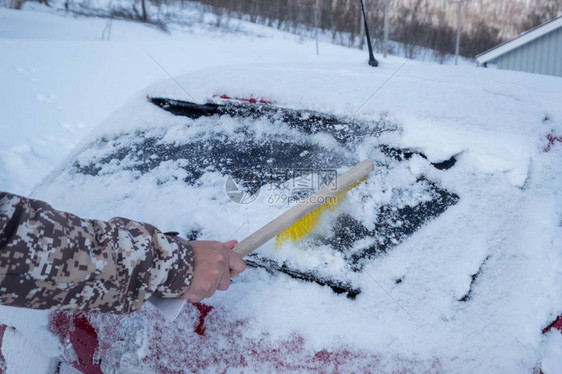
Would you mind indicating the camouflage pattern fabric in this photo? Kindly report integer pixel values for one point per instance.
(55, 260)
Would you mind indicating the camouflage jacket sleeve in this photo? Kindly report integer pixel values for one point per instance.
(55, 260)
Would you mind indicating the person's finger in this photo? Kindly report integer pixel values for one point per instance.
(192, 298)
(221, 267)
(202, 289)
(225, 270)
(224, 282)
(208, 287)
(219, 263)
(237, 265)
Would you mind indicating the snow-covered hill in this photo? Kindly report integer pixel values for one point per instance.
(59, 78)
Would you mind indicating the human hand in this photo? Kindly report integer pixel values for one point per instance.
(215, 264)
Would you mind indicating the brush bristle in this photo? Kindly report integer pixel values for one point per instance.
(308, 223)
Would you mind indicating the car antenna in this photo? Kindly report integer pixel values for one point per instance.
(372, 60)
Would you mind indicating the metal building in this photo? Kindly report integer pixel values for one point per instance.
(538, 50)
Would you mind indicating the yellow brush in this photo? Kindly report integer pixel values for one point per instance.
(301, 219)
(294, 224)
(308, 223)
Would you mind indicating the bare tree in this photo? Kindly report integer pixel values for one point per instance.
(18, 4)
(541, 14)
(142, 16)
(414, 24)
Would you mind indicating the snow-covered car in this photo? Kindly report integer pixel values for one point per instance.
(415, 270)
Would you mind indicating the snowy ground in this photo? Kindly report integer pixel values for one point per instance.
(62, 81)
(70, 79)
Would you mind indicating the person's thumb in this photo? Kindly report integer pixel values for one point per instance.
(230, 244)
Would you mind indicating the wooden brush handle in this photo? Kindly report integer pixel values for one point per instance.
(170, 308)
(287, 219)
